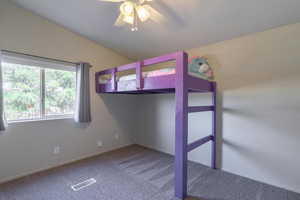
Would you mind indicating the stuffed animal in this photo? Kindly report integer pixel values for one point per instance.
(200, 67)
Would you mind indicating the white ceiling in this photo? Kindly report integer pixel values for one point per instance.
(190, 23)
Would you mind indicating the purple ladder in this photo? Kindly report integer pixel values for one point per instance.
(182, 87)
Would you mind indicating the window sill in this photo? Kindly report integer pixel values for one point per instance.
(39, 120)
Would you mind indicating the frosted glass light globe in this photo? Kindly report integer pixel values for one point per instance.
(127, 8)
(128, 19)
(143, 13)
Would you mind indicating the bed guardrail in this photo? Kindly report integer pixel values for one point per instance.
(138, 69)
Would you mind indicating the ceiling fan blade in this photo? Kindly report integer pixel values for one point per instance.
(154, 14)
(117, 1)
(120, 21)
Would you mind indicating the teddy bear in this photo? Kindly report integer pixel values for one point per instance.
(200, 67)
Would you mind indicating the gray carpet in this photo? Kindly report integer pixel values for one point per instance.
(137, 173)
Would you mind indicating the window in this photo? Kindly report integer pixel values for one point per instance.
(37, 90)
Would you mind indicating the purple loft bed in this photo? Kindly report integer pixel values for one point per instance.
(181, 83)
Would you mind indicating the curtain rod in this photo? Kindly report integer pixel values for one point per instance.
(40, 57)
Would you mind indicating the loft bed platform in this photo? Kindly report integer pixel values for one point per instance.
(179, 82)
(151, 85)
(154, 85)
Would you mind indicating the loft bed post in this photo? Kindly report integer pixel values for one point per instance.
(181, 97)
(114, 79)
(214, 127)
(139, 75)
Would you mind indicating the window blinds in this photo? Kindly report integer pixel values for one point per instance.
(24, 59)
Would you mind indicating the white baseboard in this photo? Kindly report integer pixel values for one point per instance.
(25, 174)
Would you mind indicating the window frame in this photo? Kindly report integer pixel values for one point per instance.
(42, 64)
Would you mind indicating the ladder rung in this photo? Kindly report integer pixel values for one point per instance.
(200, 108)
(198, 143)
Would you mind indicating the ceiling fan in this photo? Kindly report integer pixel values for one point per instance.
(134, 11)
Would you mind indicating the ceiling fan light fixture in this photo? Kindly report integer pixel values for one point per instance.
(143, 13)
(133, 12)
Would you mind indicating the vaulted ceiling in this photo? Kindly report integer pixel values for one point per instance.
(190, 23)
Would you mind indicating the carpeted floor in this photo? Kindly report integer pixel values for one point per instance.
(137, 173)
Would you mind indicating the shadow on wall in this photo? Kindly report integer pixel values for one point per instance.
(265, 160)
(239, 112)
(122, 108)
(261, 116)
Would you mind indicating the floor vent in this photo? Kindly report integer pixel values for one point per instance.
(83, 184)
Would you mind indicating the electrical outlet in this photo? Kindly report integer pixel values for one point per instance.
(99, 143)
(56, 150)
(117, 136)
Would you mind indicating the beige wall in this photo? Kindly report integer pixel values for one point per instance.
(28, 147)
(259, 112)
